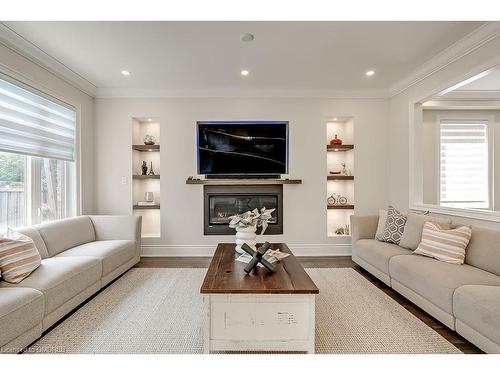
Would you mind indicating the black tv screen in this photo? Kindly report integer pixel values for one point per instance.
(243, 148)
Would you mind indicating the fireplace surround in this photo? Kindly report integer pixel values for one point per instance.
(221, 202)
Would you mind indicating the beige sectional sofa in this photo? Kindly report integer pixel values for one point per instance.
(79, 256)
(466, 298)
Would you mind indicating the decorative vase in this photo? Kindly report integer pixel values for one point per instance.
(336, 141)
(149, 196)
(245, 235)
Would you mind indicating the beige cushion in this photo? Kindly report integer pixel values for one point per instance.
(414, 226)
(382, 218)
(18, 257)
(445, 245)
(60, 235)
(378, 253)
(484, 250)
(112, 253)
(61, 278)
(478, 306)
(37, 240)
(436, 281)
(21, 309)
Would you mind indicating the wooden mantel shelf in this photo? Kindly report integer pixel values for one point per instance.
(243, 181)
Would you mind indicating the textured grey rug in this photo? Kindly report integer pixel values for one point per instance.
(159, 310)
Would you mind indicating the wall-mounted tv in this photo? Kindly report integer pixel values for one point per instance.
(242, 148)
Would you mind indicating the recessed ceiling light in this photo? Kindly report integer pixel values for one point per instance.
(369, 73)
(150, 119)
(335, 119)
(245, 72)
(247, 37)
(125, 73)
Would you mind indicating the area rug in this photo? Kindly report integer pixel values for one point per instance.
(160, 310)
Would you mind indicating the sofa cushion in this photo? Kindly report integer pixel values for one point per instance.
(412, 234)
(382, 219)
(446, 245)
(21, 309)
(436, 281)
(378, 253)
(61, 278)
(60, 235)
(394, 226)
(112, 253)
(484, 250)
(478, 306)
(18, 257)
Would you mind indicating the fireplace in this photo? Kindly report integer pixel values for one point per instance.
(221, 202)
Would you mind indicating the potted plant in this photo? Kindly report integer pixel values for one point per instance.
(246, 225)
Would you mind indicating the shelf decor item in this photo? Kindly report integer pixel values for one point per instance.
(336, 141)
(149, 140)
(246, 225)
(336, 200)
(144, 168)
(345, 171)
(149, 196)
(151, 171)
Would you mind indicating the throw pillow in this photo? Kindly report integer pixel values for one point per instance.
(412, 234)
(382, 218)
(447, 245)
(18, 257)
(394, 226)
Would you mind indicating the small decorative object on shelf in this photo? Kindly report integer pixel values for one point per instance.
(144, 168)
(340, 231)
(336, 141)
(246, 226)
(332, 172)
(151, 171)
(149, 197)
(336, 200)
(149, 140)
(257, 257)
(345, 171)
(347, 230)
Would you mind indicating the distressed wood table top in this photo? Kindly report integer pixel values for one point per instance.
(226, 276)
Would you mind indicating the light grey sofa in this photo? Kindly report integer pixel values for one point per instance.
(79, 256)
(466, 298)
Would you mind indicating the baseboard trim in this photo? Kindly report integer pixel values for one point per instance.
(316, 250)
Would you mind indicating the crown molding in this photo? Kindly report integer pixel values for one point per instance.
(239, 93)
(458, 50)
(12, 40)
(471, 95)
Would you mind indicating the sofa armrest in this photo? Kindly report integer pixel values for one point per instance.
(363, 227)
(117, 227)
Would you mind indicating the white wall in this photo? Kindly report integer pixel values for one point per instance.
(22, 69)
(472, 63)
(304, 205)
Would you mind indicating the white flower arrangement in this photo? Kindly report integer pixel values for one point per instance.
(253, 218)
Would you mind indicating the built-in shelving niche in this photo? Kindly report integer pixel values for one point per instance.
(144, 183)
(339, 215)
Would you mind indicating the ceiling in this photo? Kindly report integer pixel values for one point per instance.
(490, 82)
(297, 56)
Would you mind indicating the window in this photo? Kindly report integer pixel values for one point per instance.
(37, 169)
(464, 172)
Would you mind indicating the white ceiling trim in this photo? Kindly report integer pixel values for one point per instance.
(239, 93)
(461, 48)
(24, 47)
(472, 95)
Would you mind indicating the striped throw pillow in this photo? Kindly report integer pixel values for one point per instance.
(447, 245)
(18, 257)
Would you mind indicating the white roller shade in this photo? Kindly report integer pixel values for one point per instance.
(33, 125)
(464, 173)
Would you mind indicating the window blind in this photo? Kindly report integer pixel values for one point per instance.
(33, 125)
(464, 164)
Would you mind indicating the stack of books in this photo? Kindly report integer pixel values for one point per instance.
(146, 203)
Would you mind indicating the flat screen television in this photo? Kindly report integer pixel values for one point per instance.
(242, 148)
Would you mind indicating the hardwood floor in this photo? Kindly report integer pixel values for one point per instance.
(331, 262)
